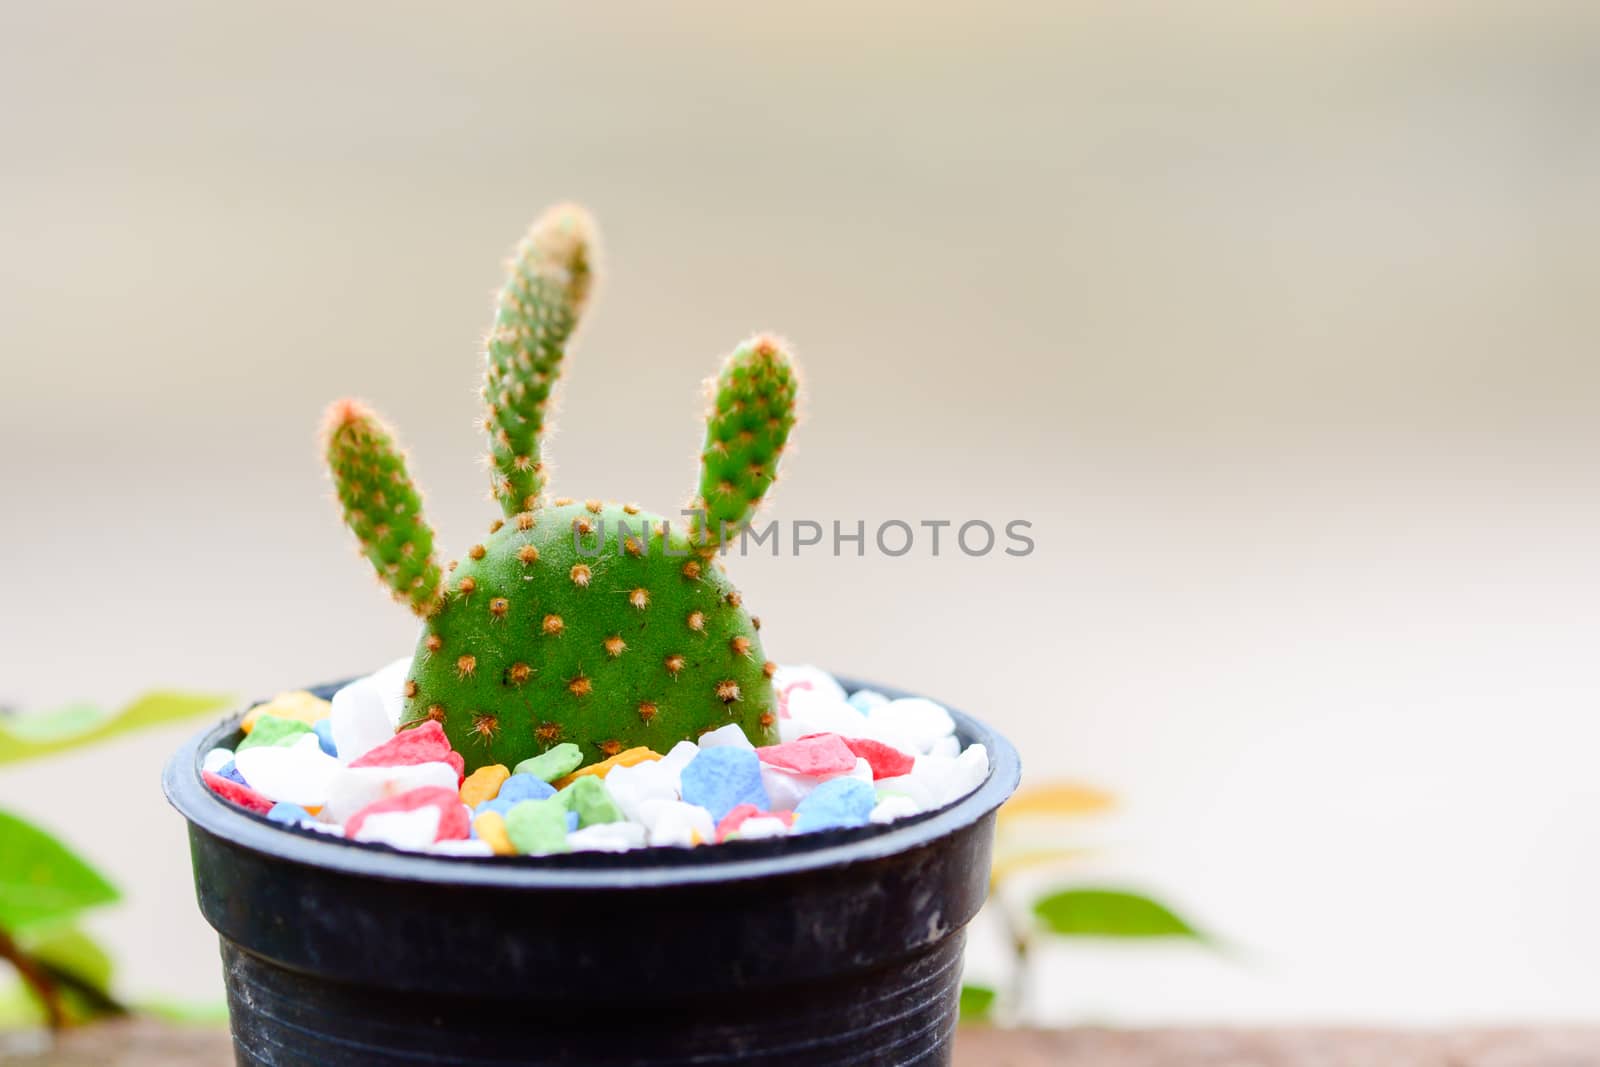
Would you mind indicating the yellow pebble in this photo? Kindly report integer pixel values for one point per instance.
(298, 704)
(492, 832)
(604, 767)
(483, 783)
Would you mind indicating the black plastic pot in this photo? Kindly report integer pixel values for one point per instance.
(834, 948)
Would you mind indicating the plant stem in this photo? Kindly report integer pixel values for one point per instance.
(36, 978)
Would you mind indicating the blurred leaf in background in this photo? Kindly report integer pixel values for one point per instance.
(41, 880)
(28, 736)
(1109, 913)
(977, 1002)
(1042, 828)
(45, 886)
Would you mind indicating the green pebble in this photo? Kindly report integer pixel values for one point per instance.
(273, 730)
(538, 827)
(556, 763)
(590, 798)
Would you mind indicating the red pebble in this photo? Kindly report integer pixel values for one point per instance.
(229, 790)
(422, 744)
(815, 756)
(887, 761)
(454, 822)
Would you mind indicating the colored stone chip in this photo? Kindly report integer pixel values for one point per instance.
(558, 762)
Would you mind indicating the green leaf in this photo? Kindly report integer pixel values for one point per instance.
(1109, 913)
(70, 949)
(39, 734)
(41, 880)
(977, 1001)
(81, 970)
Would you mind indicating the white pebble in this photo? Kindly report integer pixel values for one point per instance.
(946, 746)
(607, 836)
(947, 779)
(216, 759)
(294, 774)
(920, 721)
(391, 683)
(677, 758)
(758, 826)
(792, 729)
(917, 789)
(864, 700)
(806, 677)
(969, 772)
(643, 783)
(468, 847)
(675, 823)
(786, 790)
(725, 735)
(828, 711)
(894, 807)
(352, 788)
(412, 830)
(360, 722)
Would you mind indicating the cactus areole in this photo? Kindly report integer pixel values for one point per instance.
(574, 619)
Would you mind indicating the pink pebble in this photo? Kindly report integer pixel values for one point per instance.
(886, 760)
(815, 756)
(732, 821)
(229, 790)
(736, 818)
(422, 744)
(783, 696)
(454, 824)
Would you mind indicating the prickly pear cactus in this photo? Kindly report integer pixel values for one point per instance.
(583, 621)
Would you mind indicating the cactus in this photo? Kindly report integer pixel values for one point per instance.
(586, 621)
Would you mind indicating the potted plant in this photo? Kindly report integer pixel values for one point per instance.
(588, 821)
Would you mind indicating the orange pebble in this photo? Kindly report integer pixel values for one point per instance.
(298, 705)
(622, 759)
(492, 832)
(483, 784)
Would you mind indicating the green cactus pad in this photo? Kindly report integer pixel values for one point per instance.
(381, 505)
(538, 310)
(614, 647)
(752, 412)
(588, 624)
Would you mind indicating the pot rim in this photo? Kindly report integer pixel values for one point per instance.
(588, 871)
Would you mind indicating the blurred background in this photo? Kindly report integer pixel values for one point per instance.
(1280, 327)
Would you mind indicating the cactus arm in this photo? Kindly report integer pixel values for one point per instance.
(752, 411)
(381, 504)
(538, 309)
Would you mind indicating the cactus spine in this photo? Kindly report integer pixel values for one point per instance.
(577, 621)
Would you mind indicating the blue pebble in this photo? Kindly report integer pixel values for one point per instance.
(836, 804)
(720, 779)
(231, 773)
(572, 821)
(498, 805)
(524, 787)
(323, 728)
(288, 814)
